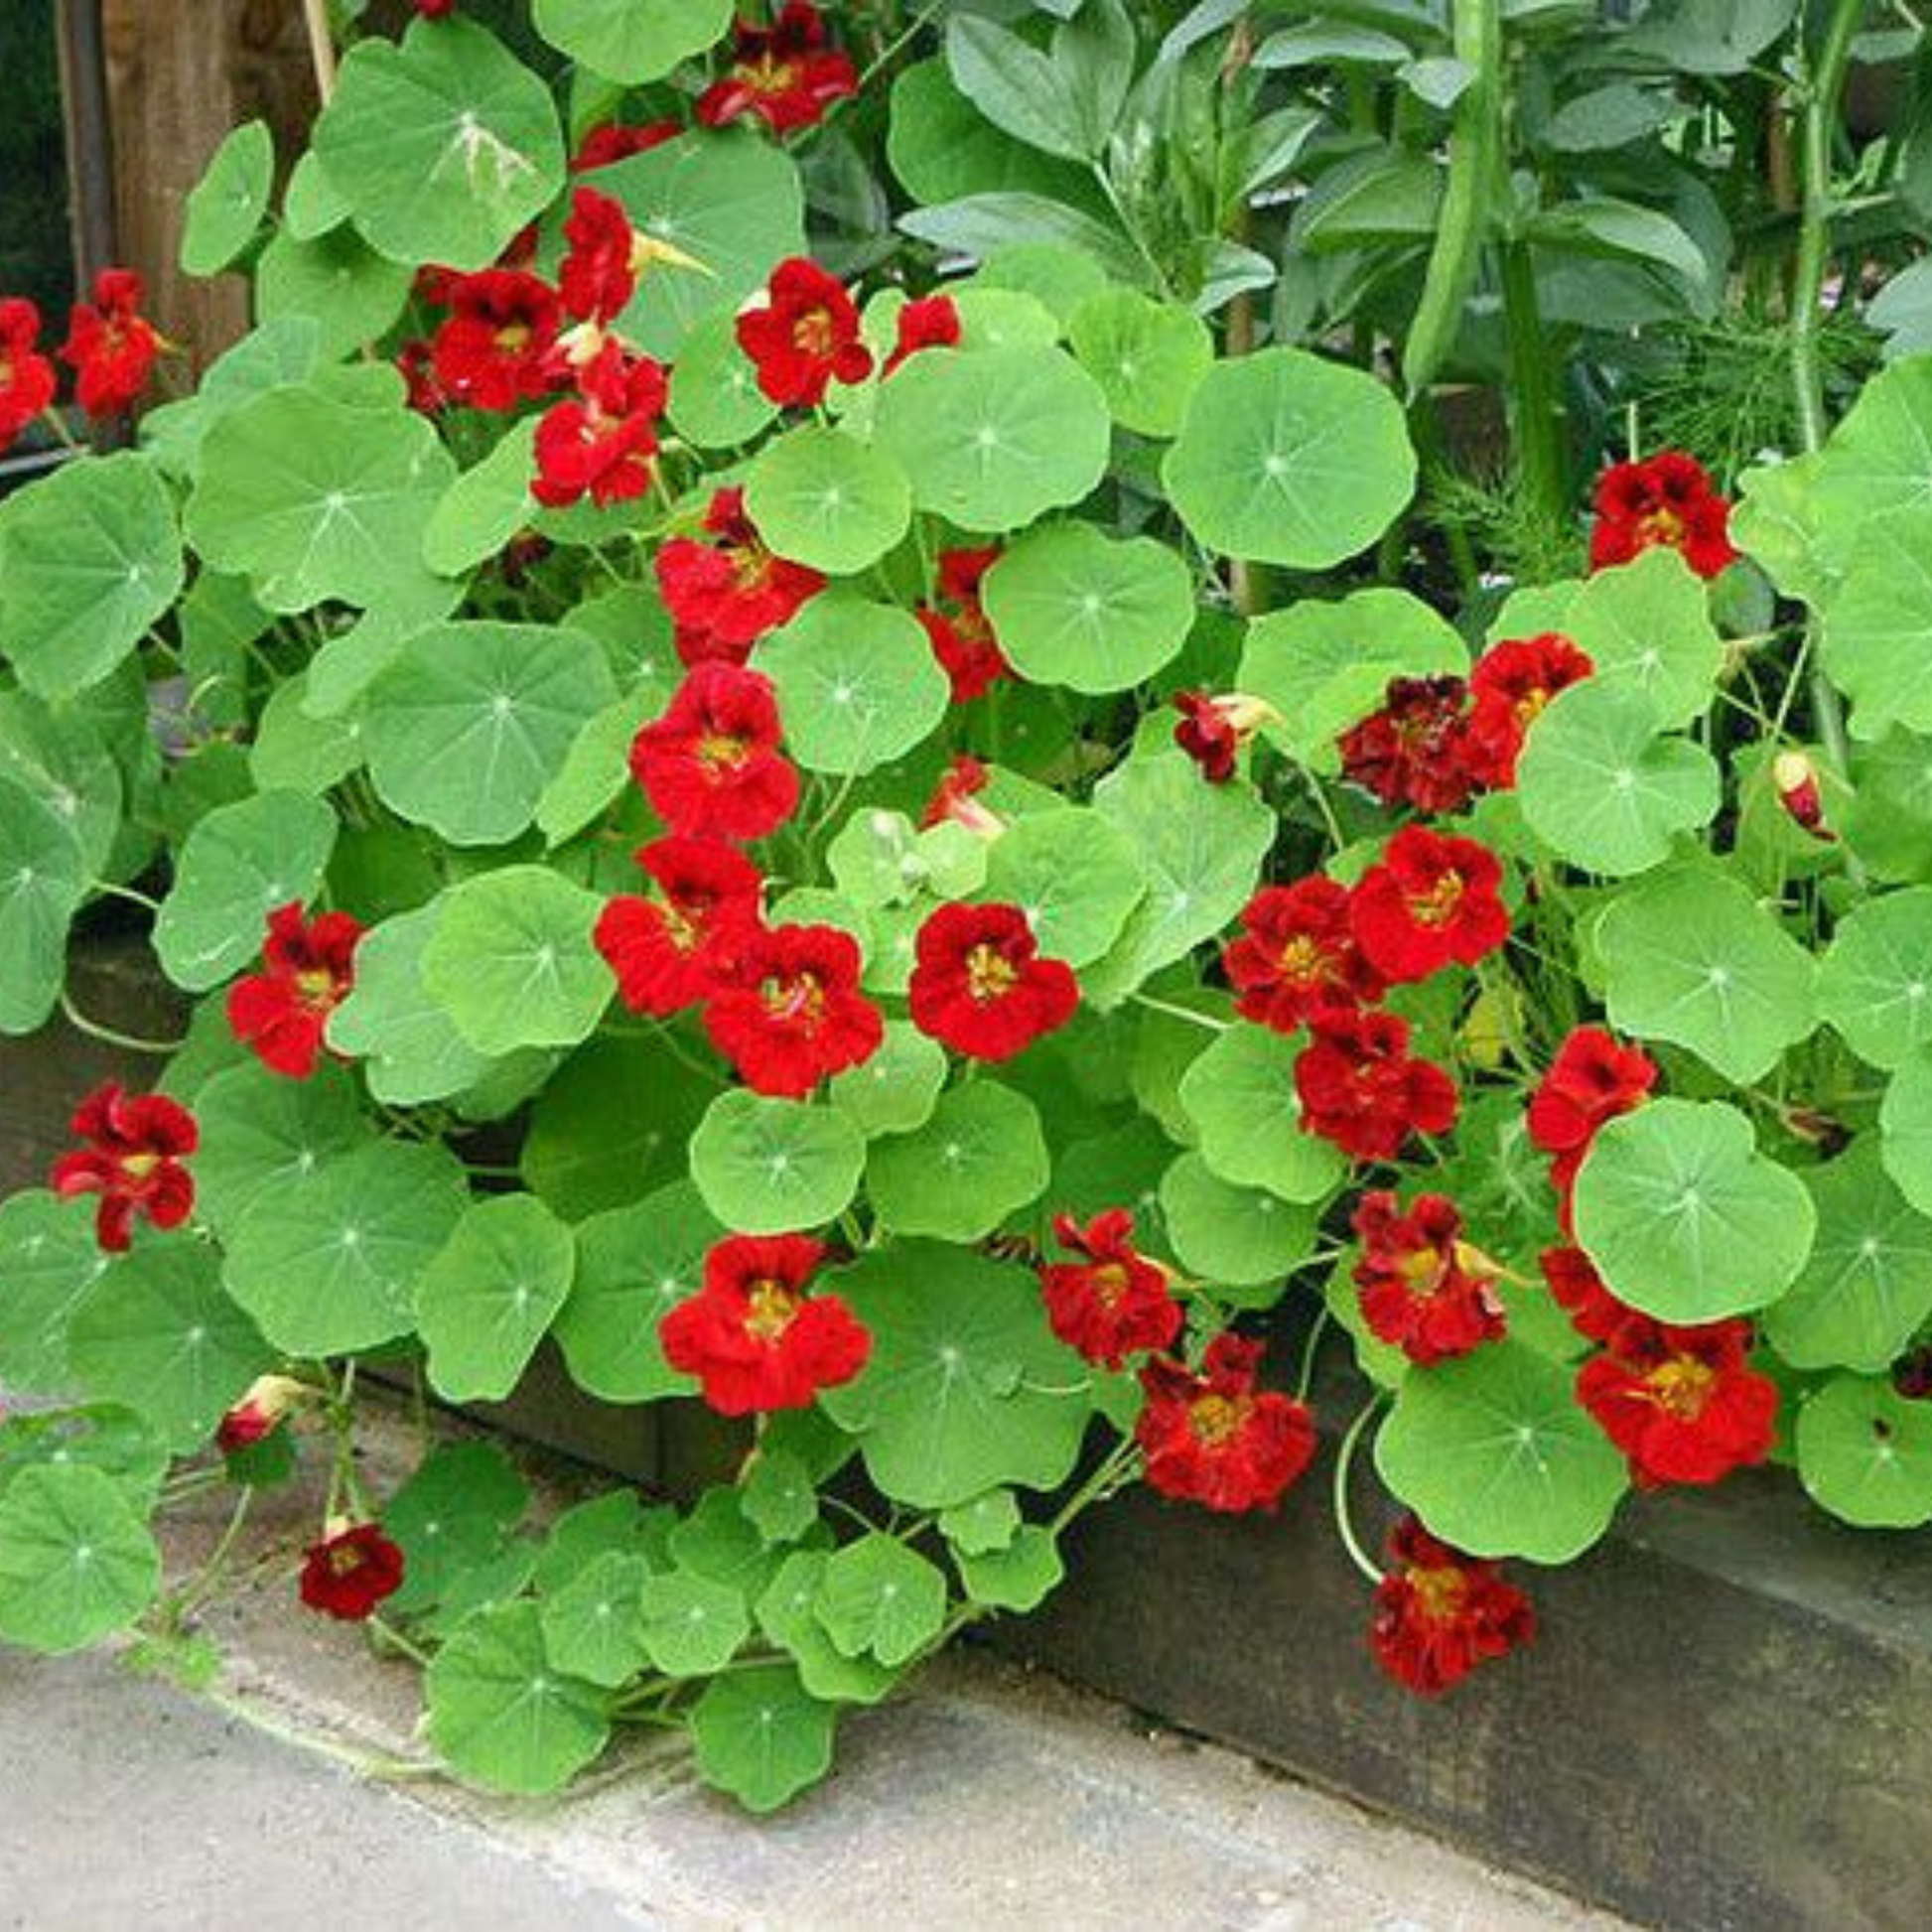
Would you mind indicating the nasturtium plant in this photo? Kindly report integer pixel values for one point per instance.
(915, 725)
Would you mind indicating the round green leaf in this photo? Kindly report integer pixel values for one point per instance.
(44, 877)
(1072, 607)
(1284, 458)
(59, 755)
(1493, 1453)
(966, 1389)
(591, 1625)
(354, 294)
(897, 1089)
(993, 439)
(787, 1616)
(1868, 1288)
(486, 506)
(310, 204)
(979, 1158)
(1906, 1128)
(716, 401)
(879, 1598)
(441, 147)
(76, 1563)
(1019, 1577)
(90, 559)
(1240, 1095)
(824, 498)
(238, 865)
(1875, 985)
(157, 1333)
(1076, 878)
(471, 720)
(768, 1166)
(633, 1266)
(262, 1132)
(1148, 357)
(313, 497)
(49, 1260)
(633, 41)
(296, 752)
(1646, 626)
(483, 1304)
(100, 1437)
(331, 1266)
(1864, 1453)
(1601, 788)
(451, 1520)
(691, 1626)
(1685, 1219)
(225, 206)
(1690, 957)
(1236, 1238)
(760, 1737)
(857, 684)
(502, 1714)
(512, 963)
(1876, 620)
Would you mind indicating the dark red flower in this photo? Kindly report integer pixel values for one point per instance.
(668, 952)
(955, 800)
(1684, 1405)
(933, 321)
(135, 1144)
(416, 364)
(435, 9)
(980, 985)
(612, 141)
(789, 1013)
(1440, 1613)
(350, 1571)
(27, 380)
(785, 74)
(727, 594)
(752, 1335)
(1296, 955)
(711, 765)
(1593, 1309)
(601, 443)
(308, 969)
(1113, 1303)
(1360, 1090)
(1592, 1078)
(1511, 683)
(957, 627)
(1409, 752)
(1214, 732)
(1423, 1287)
(599, 275)
(1431, 903)
(493, 349)
(259, 1412)
(110, 346)
(805, 336)
(1794, 777)
(1665, 500)
(1216, 1440)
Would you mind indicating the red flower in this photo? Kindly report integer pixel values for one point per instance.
(980, 985)
(1359, 1088)
(435, 9)
(955, 800)
(1682, 1404)
(27, 380)
(1440, 1613)
(1423, 1287)
(308, 969)
(1593, 1078)
(933, 321)
(132, 1161)
(1409, 752)
(1793, 776)
(1511, 683)
(711, 764)
(958, 628)
(599, 275)
(805, 336)
(1115, 1303)
(753, 1337)
(602, 442)
(783, 74)
(1296, 955)
(1593, 1309)
(1433, 901)
(350, 1571)
(790, 1011)
(668, 952)
(416, 364)
(111, 346)
(493, 349)
(1213, 1439)
(1214, 732)
(725, 595)
(611, 141)
(1666, 500)
(260, 1411)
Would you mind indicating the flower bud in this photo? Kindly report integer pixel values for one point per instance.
(1796, 779)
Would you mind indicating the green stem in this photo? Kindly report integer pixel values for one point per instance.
(1345, 1461)
(1534, 406)
(1175, 1011)
(110, 1036)
(209, 1579)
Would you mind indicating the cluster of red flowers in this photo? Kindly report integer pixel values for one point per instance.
(110, 346)
(1213, 1436)
(958, 628)
(787, 75)
(1666, 501)
(755, 1336)
(308, 971)
(727, 590)
(1440, 1613)
(1438, 741)
(135, 1147)
(806, 334)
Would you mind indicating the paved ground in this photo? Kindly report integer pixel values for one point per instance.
(985, 1798)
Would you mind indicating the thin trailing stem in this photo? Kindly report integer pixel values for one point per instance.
(322, 47)
(1344, 1461)
(112, 1035)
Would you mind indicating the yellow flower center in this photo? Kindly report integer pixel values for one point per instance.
(990, 974)
(772, 1308)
